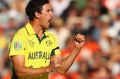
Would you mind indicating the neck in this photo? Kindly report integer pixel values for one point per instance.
(37, 28)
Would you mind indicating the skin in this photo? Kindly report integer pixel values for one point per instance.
(40, 23)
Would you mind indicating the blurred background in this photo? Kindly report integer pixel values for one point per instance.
(98, 20)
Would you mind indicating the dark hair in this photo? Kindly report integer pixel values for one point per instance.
(34, 6)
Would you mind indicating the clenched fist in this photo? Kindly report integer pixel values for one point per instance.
(79, 41)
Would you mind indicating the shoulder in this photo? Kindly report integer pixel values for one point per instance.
(21, 31)
(20, 34)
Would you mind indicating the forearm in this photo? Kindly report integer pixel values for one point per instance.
(67, 62)
(28, 72)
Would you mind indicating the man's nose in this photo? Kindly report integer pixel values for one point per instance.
(51, 14)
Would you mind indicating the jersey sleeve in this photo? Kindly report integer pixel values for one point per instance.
(55, 50)
(17, 46)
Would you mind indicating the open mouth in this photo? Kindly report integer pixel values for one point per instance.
(50, 20)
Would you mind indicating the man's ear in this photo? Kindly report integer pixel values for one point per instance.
(37, 15)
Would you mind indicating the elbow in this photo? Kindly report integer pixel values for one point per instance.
(20, 74)
(61, 71)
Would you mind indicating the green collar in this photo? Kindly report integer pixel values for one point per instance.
(43, 37)
(30, 31)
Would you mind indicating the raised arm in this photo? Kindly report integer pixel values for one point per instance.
(68, 61)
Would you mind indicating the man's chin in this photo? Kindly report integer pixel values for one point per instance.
(46, 27)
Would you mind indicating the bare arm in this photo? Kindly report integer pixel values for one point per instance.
(68, 61)
(22, 71)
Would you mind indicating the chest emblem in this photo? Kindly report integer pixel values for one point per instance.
(49, 43)
(31, 43)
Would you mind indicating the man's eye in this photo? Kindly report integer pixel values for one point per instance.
(49, 10)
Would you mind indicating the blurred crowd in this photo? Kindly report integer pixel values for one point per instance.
(98, 20)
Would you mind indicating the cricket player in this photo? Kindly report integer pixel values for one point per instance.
(34, 51)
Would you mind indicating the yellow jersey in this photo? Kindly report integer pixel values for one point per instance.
(37, 51)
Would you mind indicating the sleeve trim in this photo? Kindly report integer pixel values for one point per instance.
(53, 51)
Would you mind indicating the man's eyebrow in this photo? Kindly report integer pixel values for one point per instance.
(50, 9)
